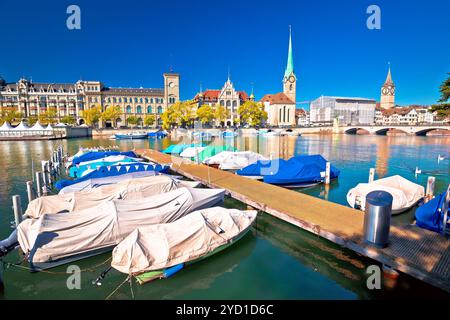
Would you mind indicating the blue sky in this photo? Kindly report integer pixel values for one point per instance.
(131, 43)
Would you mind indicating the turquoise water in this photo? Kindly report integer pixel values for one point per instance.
(274, 261)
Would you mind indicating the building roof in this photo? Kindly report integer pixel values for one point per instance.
(278, 98)
(290, 61)
(213, 95)
(389, 78)
(300, 112)
(153, 91)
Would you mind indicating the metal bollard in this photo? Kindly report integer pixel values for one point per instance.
(327, 173)
(38, 184)
(17, 207)
(430, 188)
(30, 191)
(44, 170)
(371, 175)
(377, 218)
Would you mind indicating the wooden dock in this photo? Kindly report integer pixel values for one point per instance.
(417, 252)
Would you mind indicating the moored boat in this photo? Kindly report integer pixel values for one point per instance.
(78, 170)
(405, 193)
(131, 136)
(435, 214)
(233, 160)
(159, 251)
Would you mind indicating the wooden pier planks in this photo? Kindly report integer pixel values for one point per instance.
(420, 253)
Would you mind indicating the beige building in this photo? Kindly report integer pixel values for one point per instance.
(34, 98)
(280, 107)
(388, 92)
(412, 115)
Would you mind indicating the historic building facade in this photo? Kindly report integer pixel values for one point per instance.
(388, 92)
(227, 97)
(280, 107)
(34, 98)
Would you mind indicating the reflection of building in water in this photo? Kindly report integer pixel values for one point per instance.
(382, 161)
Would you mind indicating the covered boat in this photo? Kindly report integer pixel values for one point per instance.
(157, 134)
(79, 169)
(131, 136)
(125, 190)
(301, 171)
(179, 148)
(261, 168)
(98, 182)
(6, 126)
(191, 152)
(230, 160)
(55, 239)
(149, 252)
(94, 155)
(406, 194)
(115, 170)
(210, 151)
(435, 214)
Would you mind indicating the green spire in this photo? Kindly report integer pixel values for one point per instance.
(290, 61)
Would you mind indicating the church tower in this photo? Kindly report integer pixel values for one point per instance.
(290, 80)
(388, 92)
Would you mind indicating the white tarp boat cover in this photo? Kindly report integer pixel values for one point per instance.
(128, 189)
(229, 160)
(58, 236)
(98, 182)
(405, 193)
(37, 126)
(160, 246)
(6, 126)
(191, 152)
(21, 127)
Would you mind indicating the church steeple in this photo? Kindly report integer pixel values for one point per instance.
(387, 100)
(290, 60)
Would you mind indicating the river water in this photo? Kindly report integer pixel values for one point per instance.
(276, 260)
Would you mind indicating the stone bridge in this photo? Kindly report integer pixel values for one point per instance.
(384, 129)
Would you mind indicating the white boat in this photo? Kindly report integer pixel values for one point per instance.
(191, 152)
(230, 160)
(56, 239)
(405, 193)
(195, 236)
(124, 190)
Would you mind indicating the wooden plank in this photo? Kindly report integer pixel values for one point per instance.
(420, 253)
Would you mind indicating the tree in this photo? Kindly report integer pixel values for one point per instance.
(49, 116)
(68, 120)
(221, 114)
(205, 113)
(179, 114)
(112, 113)
(10, 115)
(252, 113)
(149, 120)
(443, 108)
(92, 116)
(132, 120)
(31, 120)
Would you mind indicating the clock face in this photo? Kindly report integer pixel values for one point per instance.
(292, 79)
(385, 90)
(171, 84)
(392, 90)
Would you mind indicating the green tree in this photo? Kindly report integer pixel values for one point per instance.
(443, 108)
(445, 90)
(205, 113)
(179, 114)
(32, 120)
(10, 115)
(252, 113)
(149, 120)
(221, 114)
(68, 120)
(92, 115)
(49, 116)
(112, 113)
(132, 120)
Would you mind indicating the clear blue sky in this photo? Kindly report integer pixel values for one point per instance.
(131, 43)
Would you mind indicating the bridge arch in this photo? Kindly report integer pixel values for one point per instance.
(357, 130)
(384, 131)
(425, 131)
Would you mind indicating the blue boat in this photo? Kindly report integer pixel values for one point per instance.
(157, 134)
(431, 215)
(95, 155)
(115, 170)
(297, 172)
(131, 136)
(78, 170)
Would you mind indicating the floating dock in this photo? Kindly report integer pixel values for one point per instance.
(417, 252)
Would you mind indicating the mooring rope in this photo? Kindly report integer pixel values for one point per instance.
(115, 290)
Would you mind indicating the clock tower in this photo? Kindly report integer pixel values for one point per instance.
(387, 100)
(289, 79)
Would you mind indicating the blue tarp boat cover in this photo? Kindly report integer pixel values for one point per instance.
(297, 170)
(429, 217)
(116, 170)
(179, 148)
(158, 134)
(77, 171)
(94, 155)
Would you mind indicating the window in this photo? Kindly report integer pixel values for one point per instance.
(149, 109)
(128, 110)
(151, 100)
(222, 103)
(114, 100)
(160, 109)
(146, 100)
(228, 103)
(135, 100)
(141, 100)
(138, 109)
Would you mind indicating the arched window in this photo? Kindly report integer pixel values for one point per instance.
(234, 105)
(125, 100)
(160, 109)
(128, 110)
(120, 100)
(135, 100)
(228, 103)
(138, 109)
(222, 103)
(279, 118)
(284, 114)
(288, 115)
(114, 100)
(141, 100)
(151, 100)
(149, 109)
(146, 100)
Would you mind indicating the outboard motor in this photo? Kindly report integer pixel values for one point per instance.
(8, 244)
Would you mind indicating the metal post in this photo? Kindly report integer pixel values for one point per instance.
(44, 170)
(371, 174)
(17, 207)
(430, 188)
(30, 191)
(38, 184)
(327, 173)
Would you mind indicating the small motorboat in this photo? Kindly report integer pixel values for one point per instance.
(131, 136)
(55, 239)
(157, 134)
(124, 190)
(271, 133)
(210, 151)
(233, 160)
(289, 132)
(159, 251)
(191, 152)
(435, 214)
(405, 193)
